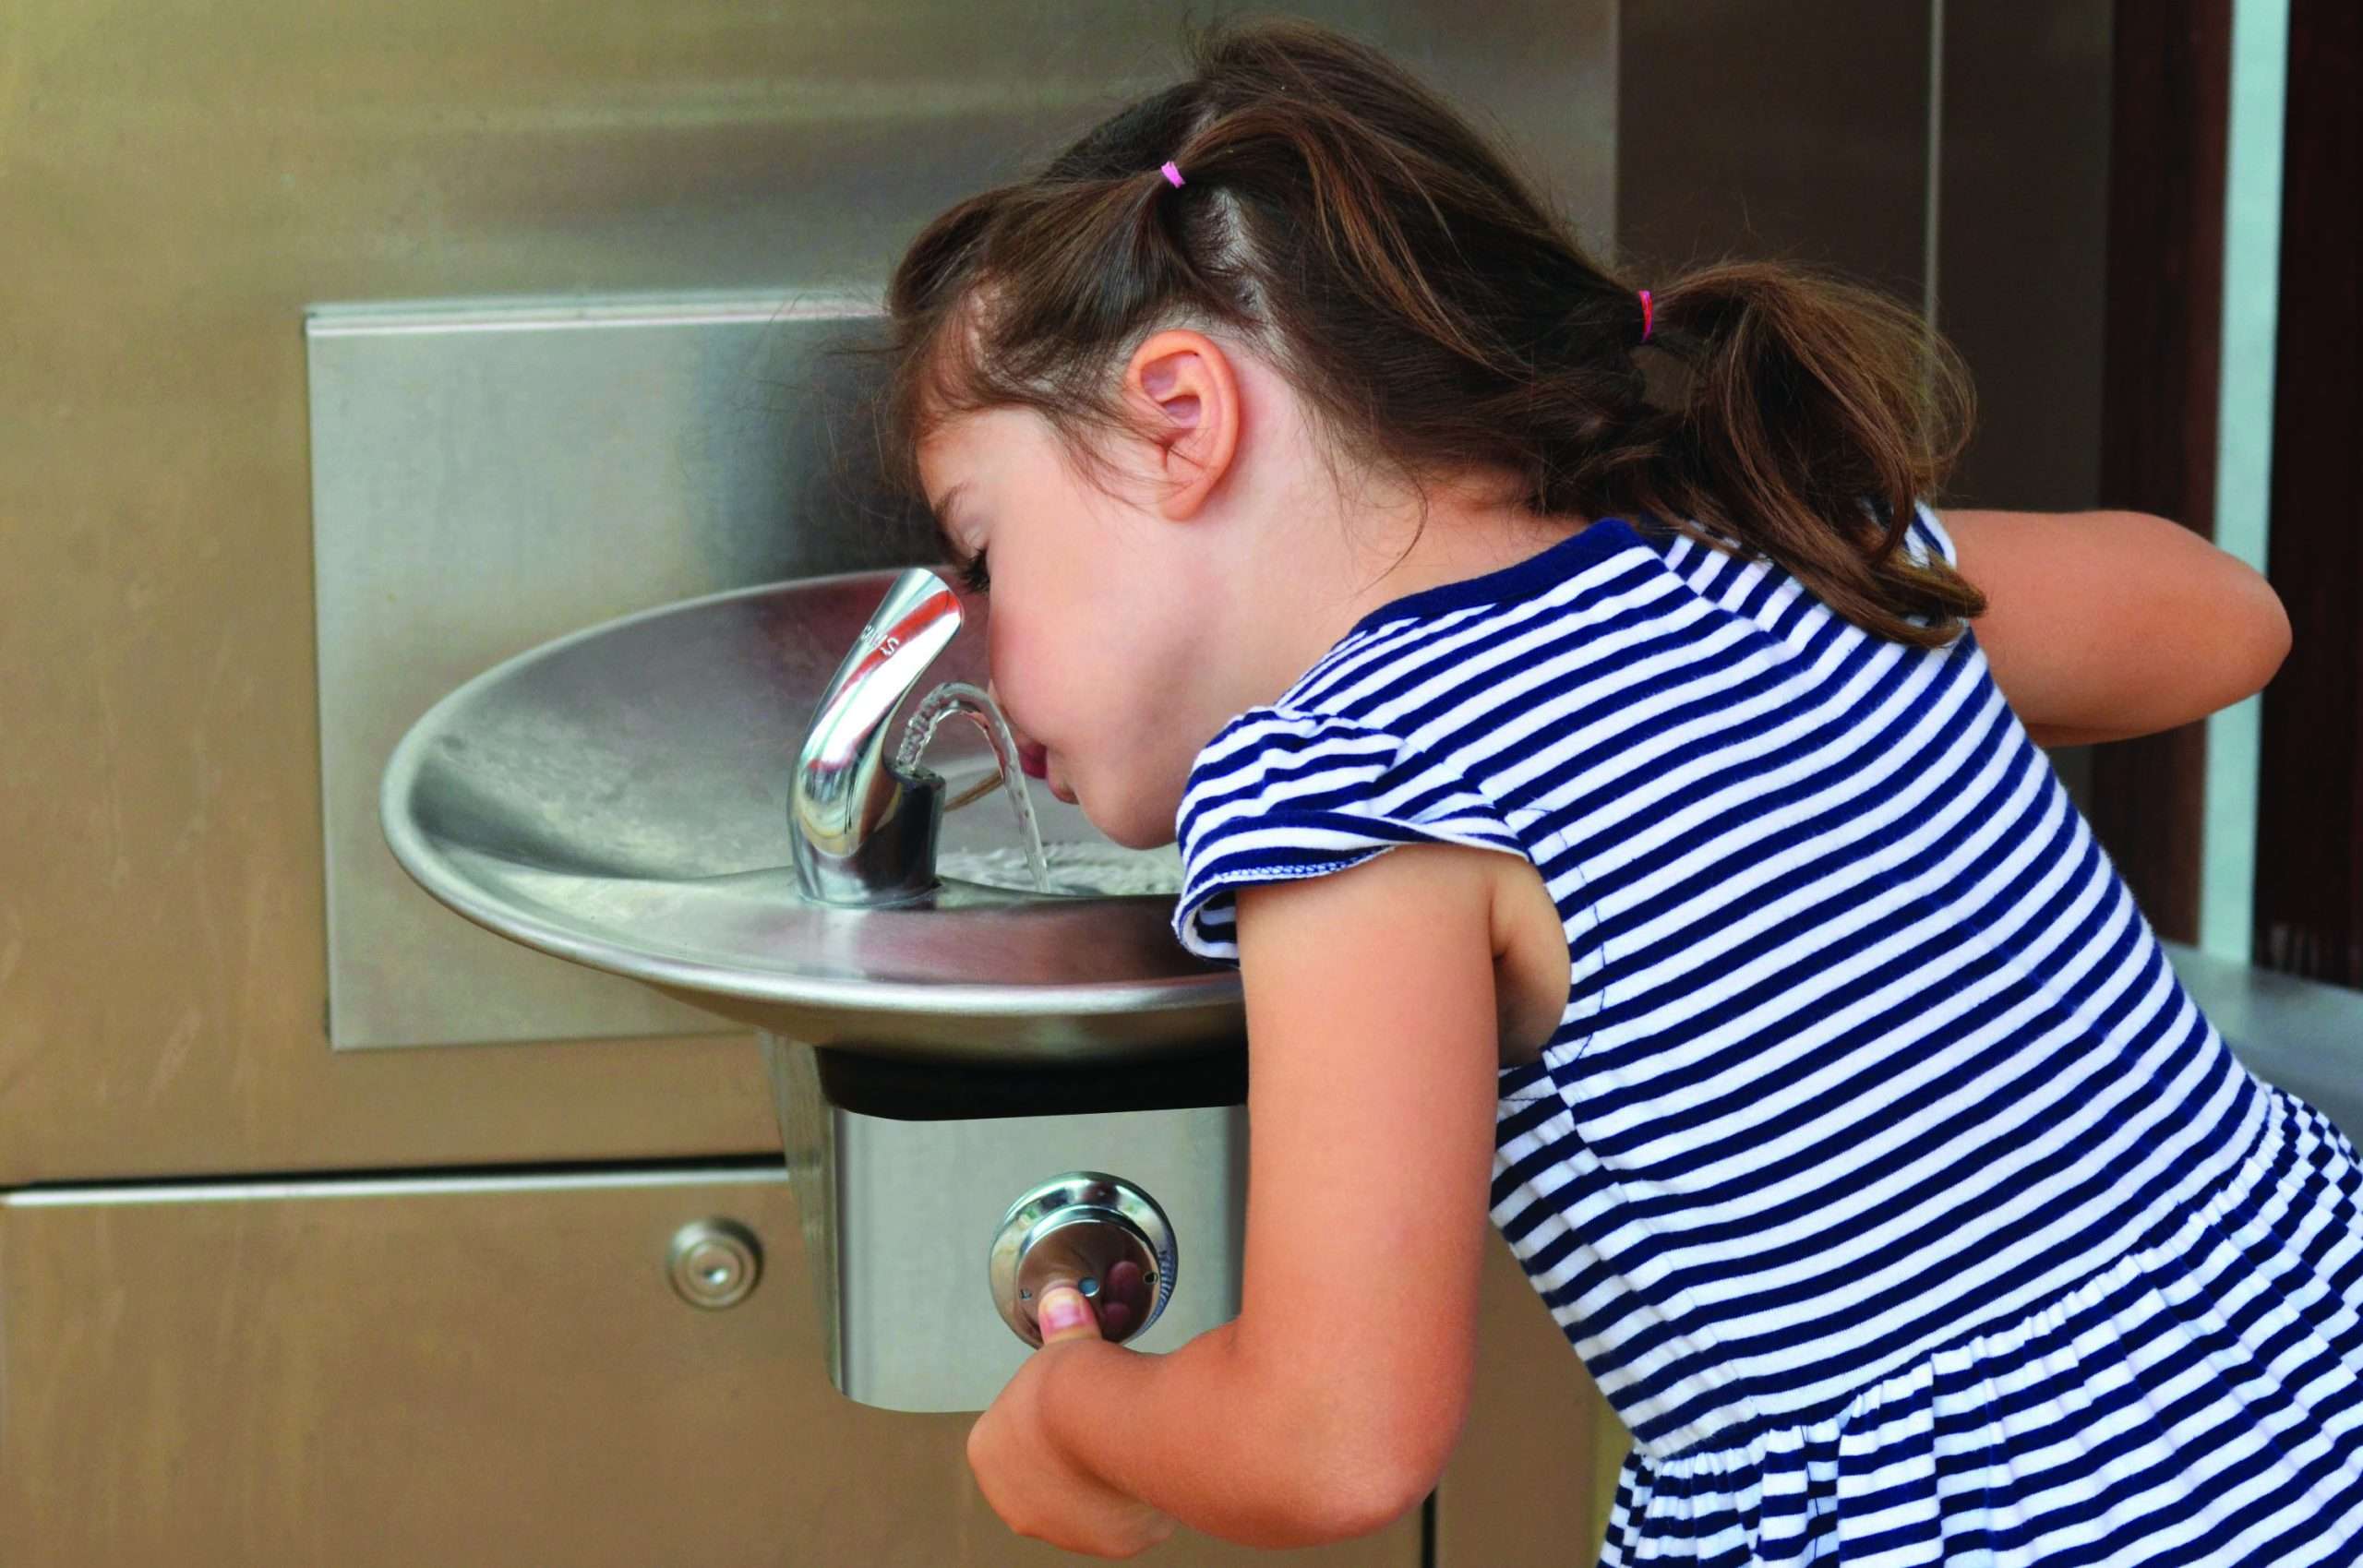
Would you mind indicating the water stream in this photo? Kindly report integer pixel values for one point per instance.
(972, 702)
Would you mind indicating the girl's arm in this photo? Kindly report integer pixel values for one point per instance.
(1329, 1406)
(2102, 625)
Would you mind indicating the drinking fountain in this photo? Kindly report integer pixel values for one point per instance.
(984, 1087)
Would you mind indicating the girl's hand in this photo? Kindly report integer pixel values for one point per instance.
(1035, 1487)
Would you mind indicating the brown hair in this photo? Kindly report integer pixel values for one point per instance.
(1349, 224)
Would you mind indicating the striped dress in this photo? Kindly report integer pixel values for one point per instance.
(1881, 1171)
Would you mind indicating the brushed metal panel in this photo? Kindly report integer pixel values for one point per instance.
(913, 1198)
(486, 478)
(381, 1374)
(176, 194)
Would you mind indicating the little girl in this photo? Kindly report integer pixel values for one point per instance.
(1740, 955)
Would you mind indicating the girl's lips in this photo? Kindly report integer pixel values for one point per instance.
(1036, 760)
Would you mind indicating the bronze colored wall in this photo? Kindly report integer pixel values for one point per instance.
(176, 184)
(466, 1365)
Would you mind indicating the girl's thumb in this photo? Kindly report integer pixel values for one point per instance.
(1064, 1314)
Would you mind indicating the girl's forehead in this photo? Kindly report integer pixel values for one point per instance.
(948, 446)
(976, 439)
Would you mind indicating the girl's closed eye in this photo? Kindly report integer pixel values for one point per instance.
(973, 575)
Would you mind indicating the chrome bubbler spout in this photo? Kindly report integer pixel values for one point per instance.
(864, 831)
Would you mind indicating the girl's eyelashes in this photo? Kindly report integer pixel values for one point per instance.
(973, 575)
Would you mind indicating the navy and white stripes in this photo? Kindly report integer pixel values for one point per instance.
(1881, 1171)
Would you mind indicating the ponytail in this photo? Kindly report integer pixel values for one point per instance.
(1815, 414)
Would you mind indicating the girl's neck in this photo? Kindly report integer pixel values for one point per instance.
(1383, 555)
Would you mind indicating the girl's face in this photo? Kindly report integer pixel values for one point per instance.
(1100, 621)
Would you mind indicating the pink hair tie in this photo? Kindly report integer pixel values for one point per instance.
(1648, 316)
(1171, 173)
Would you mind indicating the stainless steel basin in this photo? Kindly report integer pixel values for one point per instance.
(618, 799)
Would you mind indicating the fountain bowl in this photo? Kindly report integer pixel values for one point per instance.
(618, 799)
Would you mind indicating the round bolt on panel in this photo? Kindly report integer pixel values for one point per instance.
(715, 1263)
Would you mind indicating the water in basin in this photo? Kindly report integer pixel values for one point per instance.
(1087, 869)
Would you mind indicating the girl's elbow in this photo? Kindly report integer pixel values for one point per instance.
(1348, 1503)
(2244, 637)
(2277, 637)
(1381, 1469)
(2265, 635)
(2255, 643)
(1353, 1443)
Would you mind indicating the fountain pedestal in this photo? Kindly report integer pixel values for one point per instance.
(904, 1170)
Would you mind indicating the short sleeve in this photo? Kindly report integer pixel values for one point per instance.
(1280, 795)
(1925, 535)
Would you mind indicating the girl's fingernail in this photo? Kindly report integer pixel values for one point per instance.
(1062, 1310)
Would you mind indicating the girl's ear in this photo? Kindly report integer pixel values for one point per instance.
(1181, 383)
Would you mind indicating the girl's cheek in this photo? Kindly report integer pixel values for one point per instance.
(1006, 666)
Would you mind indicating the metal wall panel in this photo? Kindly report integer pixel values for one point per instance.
(2020, 270)
(179, 184)
(1956, 156)
(431, 1372)
(1534, 1477)
(485, 480)
(391, 1374)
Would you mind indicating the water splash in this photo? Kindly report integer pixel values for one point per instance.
(971, 702)
(1088, 869)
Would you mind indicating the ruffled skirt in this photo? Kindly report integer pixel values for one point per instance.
(2199, 1401)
